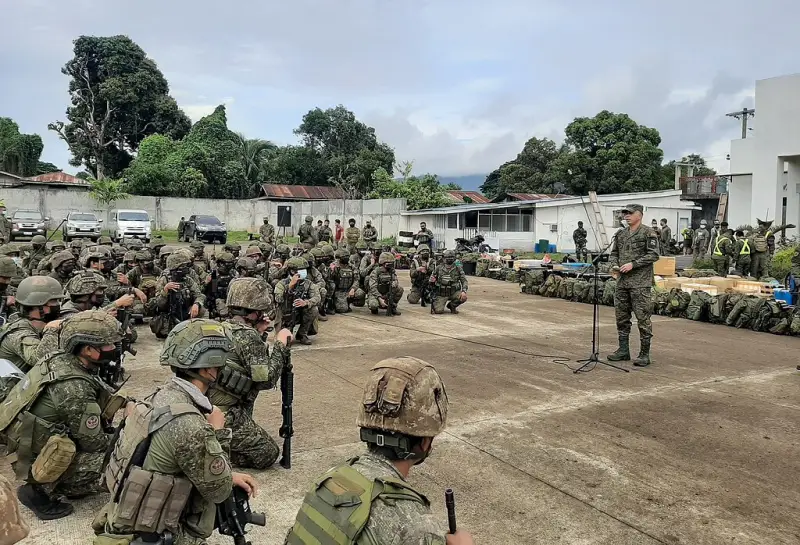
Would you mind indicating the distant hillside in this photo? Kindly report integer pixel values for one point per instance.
(469, 182)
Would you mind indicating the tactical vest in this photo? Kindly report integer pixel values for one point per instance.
(760, 242)
(233, 381)
(745, 248)
(446, 283)
(384, 282)
(344, 280)
(146, 501)
(337, 509)
(424, 238)
(717, 249)
(21, 324)
(20, 425)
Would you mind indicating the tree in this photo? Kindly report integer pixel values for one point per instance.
(530, 172)
(420, 192)
(700, 169)
(452, 186)
(19, 153)
(349, 148)
(118, 97)
(108, 191)
(45, 168)
(254, 156)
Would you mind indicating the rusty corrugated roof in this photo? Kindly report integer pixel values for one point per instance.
(533, 196)
(474, 196)
(301, 192)
(58, 178)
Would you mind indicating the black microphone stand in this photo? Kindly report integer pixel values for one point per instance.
(595, 356)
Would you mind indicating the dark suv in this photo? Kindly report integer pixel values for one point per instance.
(27, 223)
(205, 228)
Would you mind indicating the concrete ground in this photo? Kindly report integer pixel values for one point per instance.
(699, 448)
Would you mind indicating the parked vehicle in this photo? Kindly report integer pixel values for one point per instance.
(473, 245)
(130, 224)
(205, 228)
(27, 223)
(81, 224)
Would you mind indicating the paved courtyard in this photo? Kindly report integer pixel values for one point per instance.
(699, 448)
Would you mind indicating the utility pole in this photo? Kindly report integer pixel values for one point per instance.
(743, 115)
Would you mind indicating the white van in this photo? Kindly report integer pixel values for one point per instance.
(130, 224)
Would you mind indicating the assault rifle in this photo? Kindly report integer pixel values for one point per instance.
(234, 514)
(3, 310)
(287, 397)
(177, 305)
(211, 294)
(450, 503)
(113, 372)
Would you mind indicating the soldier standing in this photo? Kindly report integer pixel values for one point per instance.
(635, 250)
(700, 241)
(666, 235)
(715, 232)
(424, 235)
(267, 231)
(249, 369)
(325, 234)
(64, 404)
(579, 238)
(369, 234)
(38, 301)
(297, 298)
(384, 291)
(174, 439)
(338, 232)
(5, 225)
(742, 254)
(307, 234)
(420, 272)
(352, 235)
(344, 281)
(688, 236)
(181, 227)
(398, 437)
(449, 284)
(723, 250)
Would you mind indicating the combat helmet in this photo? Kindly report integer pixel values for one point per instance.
(8, 268)
(105, 240)
(309, 219)
(196, 344)
(449, 256)
(253, 251)
(59, 258)
(296, 263)
(165, 251)
(252, 243)
(342, 253)
(361, 245)
(93, 327)
(423, 248)
(36, 291)
(57, 246)
(38, 240)
(283, 250)
(246, 263)
(198, 247)
(118, 252)
(250, 293)
(129, 256)
(405, 397)
(225, 258)
(175, 260)
(141, 256)
(328, 251)
(9, 249)
(85, 283)
(232, 247)
(385, 257)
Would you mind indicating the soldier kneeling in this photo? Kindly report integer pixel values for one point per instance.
(450, 285)
(384, 289)
(170, 465)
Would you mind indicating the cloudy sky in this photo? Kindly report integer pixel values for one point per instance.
(455, 85)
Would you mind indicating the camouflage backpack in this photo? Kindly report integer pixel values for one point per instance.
(698, 306)
(678, 302)
(760, 242)
(549, 286)
(660, 300)
(771, 317)
(745, 311)
(609, 290)
(794, 326)
(531, 281)
(567, 288)
(716, 308)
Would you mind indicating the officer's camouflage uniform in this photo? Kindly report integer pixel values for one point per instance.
(640, 248)
(742, 256)
(57, 262)
(419, 280)
(382, 284)
(12, 251)
(343, 278)
(318, 279)
(351, 236)
(394, 512)
(37, 253)
(579, 238)
(225, 274)
(369, 234)
(267, 232)
(700, 242)
(325, 234)
(307, 234)
(5, 227)
(450, 283)
(68, 400)
(722, 252)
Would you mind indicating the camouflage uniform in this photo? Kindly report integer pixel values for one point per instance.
(186, 447)
(37, 253)
(305, 290)
(307, 234)
(190, 293)
(369, 234)
(14, 527)
(721, 255)
(343, 278)
(579, 238)
(234, 248)
(225, 273)
(419, 279)
(318, 279)
(395, 511)
(640, 248)
(450, 283)
(325, 234)
(700, 242)
(199, 261)
(352, 235)
(13, 251)
(67, 399)
(383, 284)
(267, 232)
(5, 224)
(251, 445)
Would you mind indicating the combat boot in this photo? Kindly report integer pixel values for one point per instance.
(393, 312)
(623, 353)
(34, 497)
(643, 360)
(453, 308)
(303, 339)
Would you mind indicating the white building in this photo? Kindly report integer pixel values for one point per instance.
(521, 224)
(765, 168)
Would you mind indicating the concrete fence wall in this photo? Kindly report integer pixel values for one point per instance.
(238, 215)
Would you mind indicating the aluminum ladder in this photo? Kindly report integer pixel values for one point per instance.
(600, 227)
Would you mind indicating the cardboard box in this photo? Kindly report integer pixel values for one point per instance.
(677, 282)
(662, 284)
(748, 286)
(709, 289)
(723, 284)
(665, 266)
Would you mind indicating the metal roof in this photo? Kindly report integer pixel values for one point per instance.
(529, 196)
(474, 196)
(58, 178)
(301, 192)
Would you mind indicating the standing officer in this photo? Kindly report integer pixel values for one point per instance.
(267, 231)
(742, 254)
(635, 251)
(352, 235)
(370, 234)
(424, 235)
(579, 238)
(666, 236)
(325, 234)
(307, 234)
(403, 408)
(170, 465)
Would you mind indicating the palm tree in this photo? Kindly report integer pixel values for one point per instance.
(254, 155)
(107, 191)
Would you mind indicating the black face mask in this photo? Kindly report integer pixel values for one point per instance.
(178, 275)
(344, 261)
(106, 357)
(449, 260)
(97, 300)
(51, 313)
(223, 268)
(147, 266)
(3, 288)
(67, 270)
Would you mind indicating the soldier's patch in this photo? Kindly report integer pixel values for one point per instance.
(92, 421)
(217, 466)
(652, 243)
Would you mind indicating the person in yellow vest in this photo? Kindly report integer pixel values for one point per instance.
(403, 408)
(722, 252)
(742, 254)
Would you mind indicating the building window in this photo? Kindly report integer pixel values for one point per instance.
(513, 223)
(471, 220)
(526, 223)
(484, 222)
(452, 221)
(498, 223)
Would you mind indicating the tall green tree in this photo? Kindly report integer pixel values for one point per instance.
(530, 172)
(609, 153)
(420, 192)
(19, 153)
(700, 168)
(118, 97)
(254, 156)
